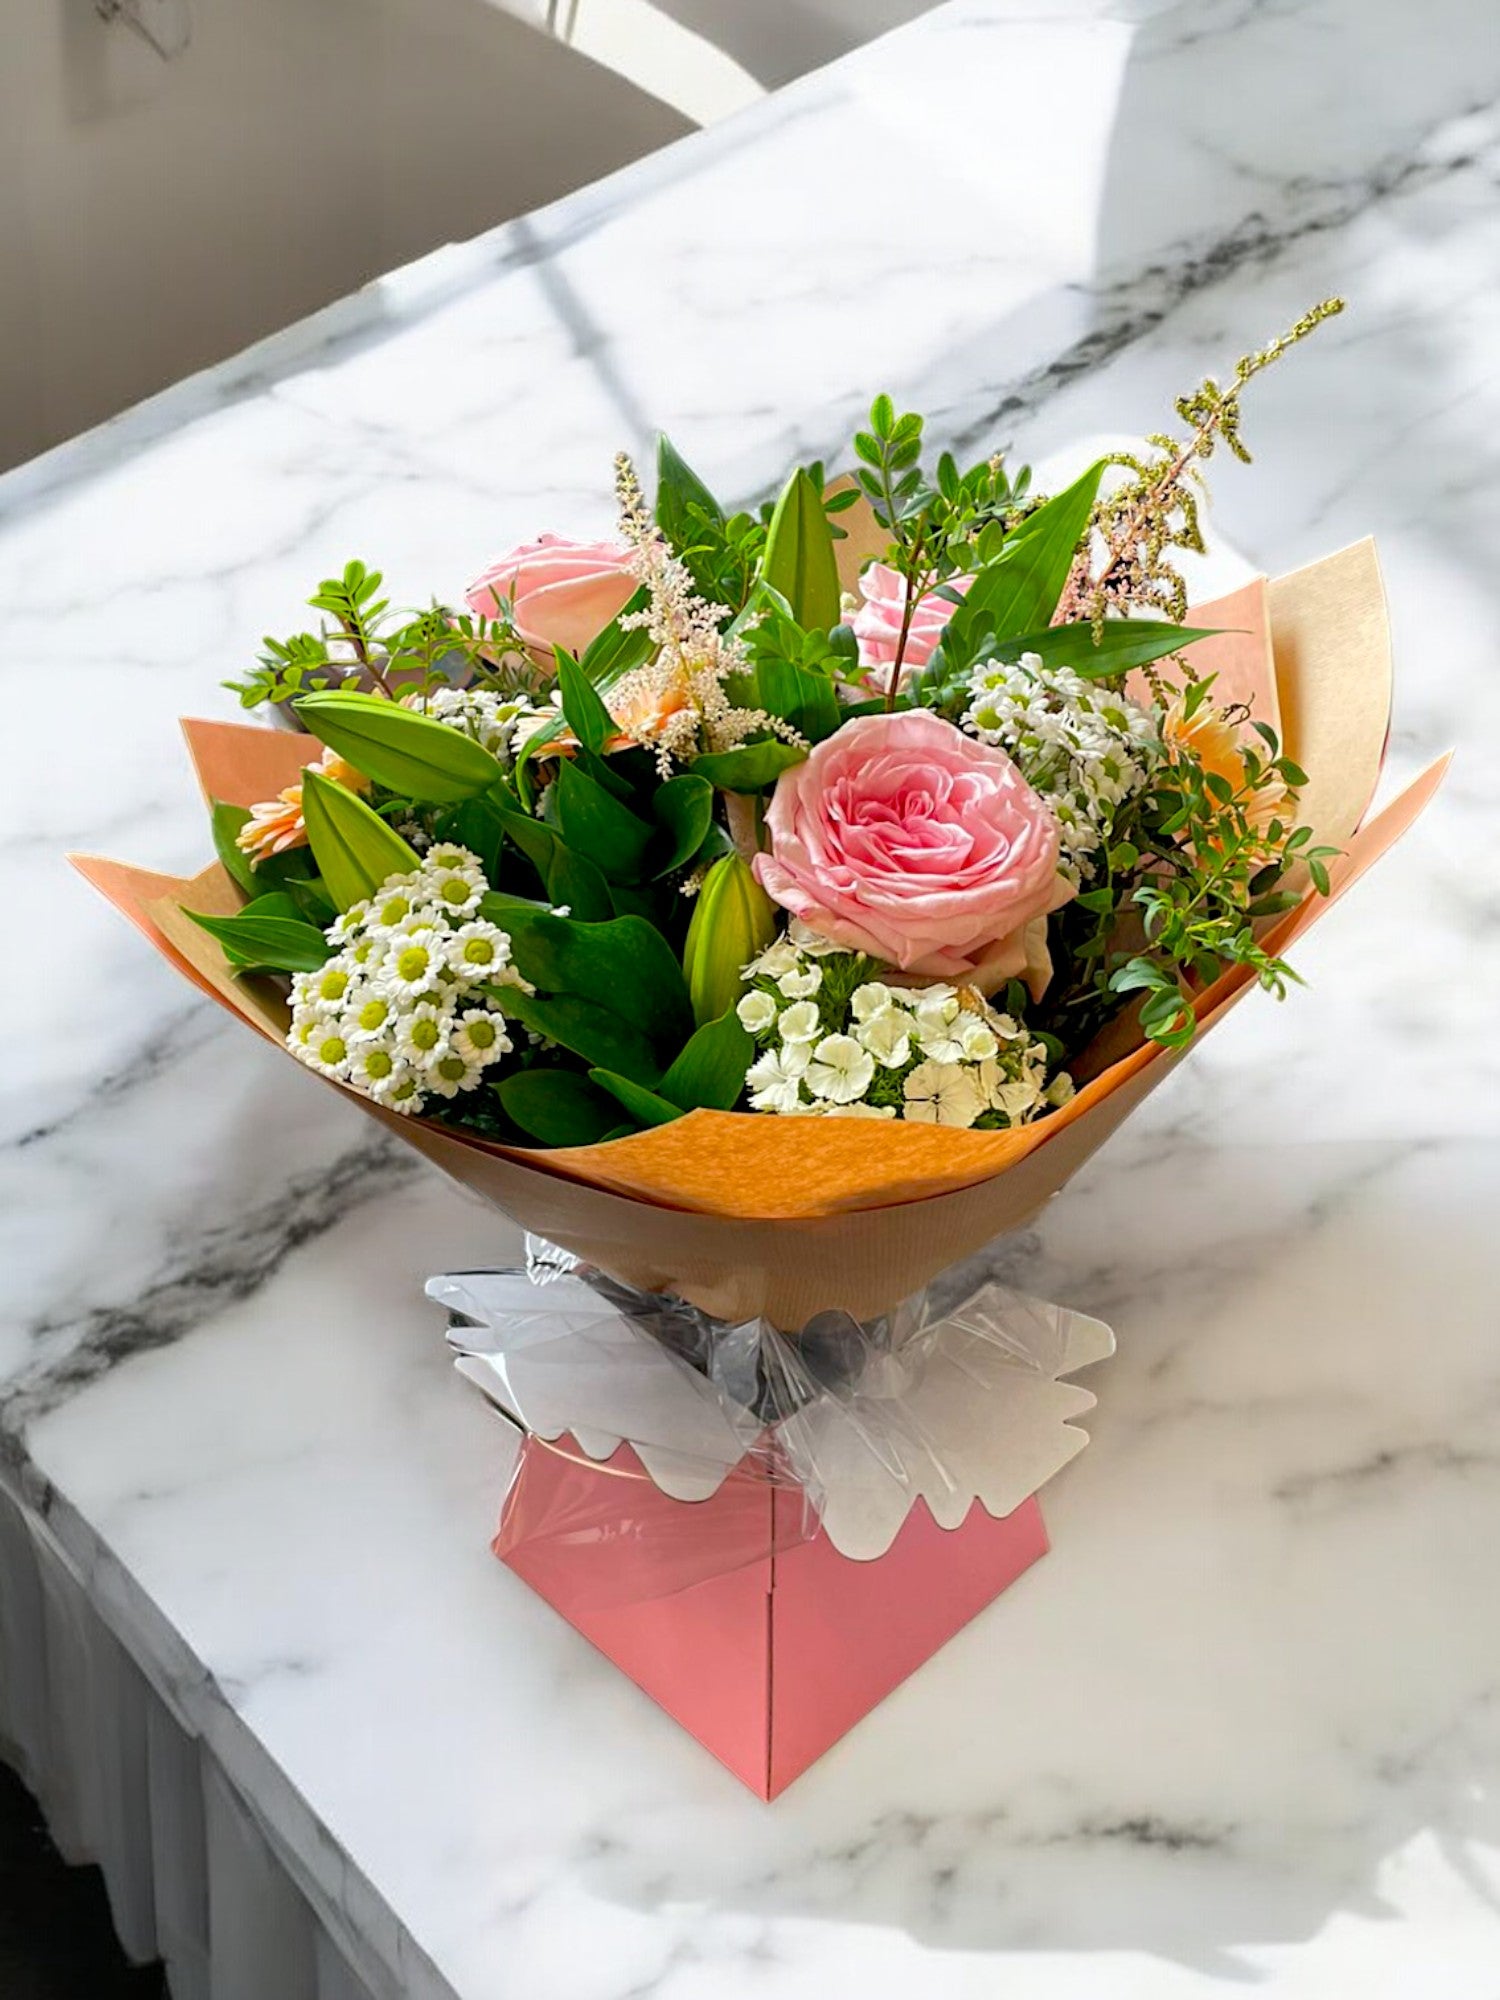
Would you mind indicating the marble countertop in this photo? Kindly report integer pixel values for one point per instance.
(1243, 1726)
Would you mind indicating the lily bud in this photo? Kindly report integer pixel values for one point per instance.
(734, 922)
(414, 755)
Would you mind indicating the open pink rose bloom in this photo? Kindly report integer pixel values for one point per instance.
(903, 838)
(877, 624)
(561, 593)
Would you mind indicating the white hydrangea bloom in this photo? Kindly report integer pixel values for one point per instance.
(1086, 749)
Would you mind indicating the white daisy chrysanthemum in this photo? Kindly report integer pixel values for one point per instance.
(393, 904)
(458, 891)
(367, 954)
(368, 1013)
(327, 1051)
(326, 988)
(942, 1093)
(376, 1069)
(480, 1037)
(840, 1069)
(389, 1013)
(450, 1074)
(422, 1035)
(403, 1093)
(414, 964)
(478, 950)
(500, 722)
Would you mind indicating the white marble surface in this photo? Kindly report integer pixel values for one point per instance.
(1242, 1728)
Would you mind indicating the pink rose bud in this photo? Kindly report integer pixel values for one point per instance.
(903, 838)
(877, 623)
(561, 593)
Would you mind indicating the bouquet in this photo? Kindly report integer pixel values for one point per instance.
(766, 909)
(771, 907)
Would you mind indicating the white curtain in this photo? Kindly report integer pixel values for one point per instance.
(193, 1878)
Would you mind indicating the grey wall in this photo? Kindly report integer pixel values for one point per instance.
(156, 216)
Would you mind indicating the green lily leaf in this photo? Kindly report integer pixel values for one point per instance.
(586, 715)
(226, 821)
(354, 848)
(479, 825)
(582, 1027)
(684, 809)
(710, 1072)
(799, 559)
(276, 943)
(753, 767)
(1018, 591)
(405, 751)
(568, 877)
(596, 825)
(644, 1106)
(686, 512)
(574, 883)
(625, 965)
(558, 1106)
(1123, 643)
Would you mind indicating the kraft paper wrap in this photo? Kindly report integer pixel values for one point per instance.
(744, 1213)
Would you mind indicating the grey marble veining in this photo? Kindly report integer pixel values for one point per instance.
(1243, 1725)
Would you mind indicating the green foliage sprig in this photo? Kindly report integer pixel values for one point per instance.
(1195, 866)
(361, 641)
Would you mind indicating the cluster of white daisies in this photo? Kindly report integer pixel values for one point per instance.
(838, 1043)
(501, 723)
(401, 1009)
(1085, 749)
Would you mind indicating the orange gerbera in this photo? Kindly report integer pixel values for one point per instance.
(277, 824)
(1213, 737)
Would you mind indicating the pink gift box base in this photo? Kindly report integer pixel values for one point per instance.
(769, 1661)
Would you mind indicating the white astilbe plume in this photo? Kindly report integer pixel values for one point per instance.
(678, 704)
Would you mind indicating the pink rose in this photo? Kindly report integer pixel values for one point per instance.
(877, 624)
(903, 838)
(561, 593)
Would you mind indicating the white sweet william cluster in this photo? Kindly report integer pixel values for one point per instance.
(403, 1010)
(1086, 749)
(838, 1041)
